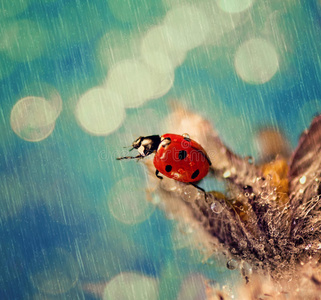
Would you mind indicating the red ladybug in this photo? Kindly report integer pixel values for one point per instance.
(176, 156)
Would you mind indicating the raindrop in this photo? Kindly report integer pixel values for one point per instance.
(308, 246)
(189, 193)
(227, 174)
(232, 264)
(264, 195)
(216, 207)
(168, 184)
(303, 179)
(273, 195)
(243, 244)
(246, 269)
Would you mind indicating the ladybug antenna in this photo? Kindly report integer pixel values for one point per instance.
(145, 145)
(128, 147)
(130, 157)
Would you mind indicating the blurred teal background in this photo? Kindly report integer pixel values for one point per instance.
(80, 80)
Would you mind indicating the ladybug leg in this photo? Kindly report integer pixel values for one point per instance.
(156, 173)
(198, 187)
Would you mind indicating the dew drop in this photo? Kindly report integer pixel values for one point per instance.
(303, 179)
(246, 269)
(168, 184)
(189, 193)
(227, 174)
(273, 196)
(216, 207)
(264, 184)
(232, 264)
(242, 244)
(308, 246)
(186, 135)
(264, 195)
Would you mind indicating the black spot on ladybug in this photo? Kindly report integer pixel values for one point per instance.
(195, 174)
(168, 168)
(182, 154)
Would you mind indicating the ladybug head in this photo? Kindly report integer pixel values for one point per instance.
(145, 145)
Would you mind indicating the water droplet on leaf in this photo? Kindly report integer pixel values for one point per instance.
(189, 193)
(232, 264)
(216, 207)
(246, 269)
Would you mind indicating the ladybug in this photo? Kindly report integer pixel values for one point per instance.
(176, 156)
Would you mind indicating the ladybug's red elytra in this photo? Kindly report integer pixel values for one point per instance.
(176, 156)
